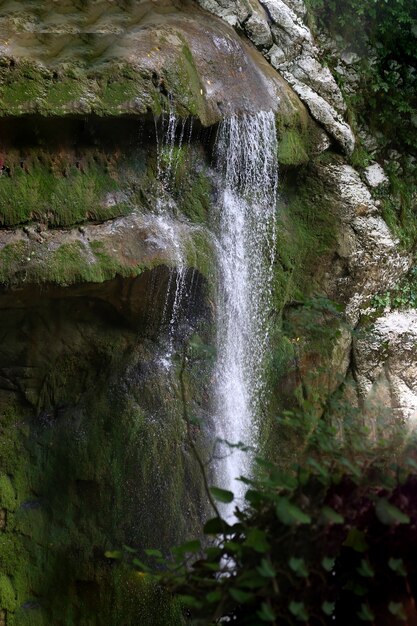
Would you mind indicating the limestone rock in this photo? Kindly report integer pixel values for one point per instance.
(199, 60)
(294, 54)
(386, 360)
(230, 12)
(323, 112)
(355, 196)
(307, 69)
(297, 6)
(257, 26)
(95, 253)
(368, 259)
(375, 176)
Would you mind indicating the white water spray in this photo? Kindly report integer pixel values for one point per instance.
(248, 175)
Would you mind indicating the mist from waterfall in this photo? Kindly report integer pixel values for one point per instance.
(248, 177)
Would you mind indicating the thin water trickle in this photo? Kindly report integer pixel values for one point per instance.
(248, 177)
(168, 227)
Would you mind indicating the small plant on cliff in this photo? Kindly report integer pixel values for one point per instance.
(404, 296)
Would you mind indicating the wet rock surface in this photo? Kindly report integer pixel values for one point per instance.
(294, 54)
(106, 60)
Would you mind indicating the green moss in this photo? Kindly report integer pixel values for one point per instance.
(73, 262)
(182, 79)
(108, 88)
(360, 158)
(292, 148)
(21, 95)
(7, 494)
(190, 183)
(306, 232)
(298, 136)
(305, 324)
(27, 87)
(7, 594)
(150, 596)
(125, 96)
(399, 210)
(11, 256)
(68, 264)
(195, 201)
(59, 198)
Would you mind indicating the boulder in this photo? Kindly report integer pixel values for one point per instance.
(375, 176)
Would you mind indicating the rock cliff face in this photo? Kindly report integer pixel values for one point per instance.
(108, 113)
(277, 27)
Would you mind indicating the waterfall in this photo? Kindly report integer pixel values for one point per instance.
(248, 177)
(243, 226)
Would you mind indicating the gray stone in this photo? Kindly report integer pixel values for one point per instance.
(324, 113)
(375, 176)
(368, 257)
(257, 26)
(386, 361)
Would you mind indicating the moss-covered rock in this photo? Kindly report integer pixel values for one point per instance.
(92, 440)
(7, 494)
(178, 56)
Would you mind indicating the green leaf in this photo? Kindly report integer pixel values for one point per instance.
(129, 549)
(320, 469)
(290, 514)
(365, 614)
(251, 580)
(214, 596)
(213, 553)
(365, 569)
(233, 547)
(241, 596)
(155, 553)
(113, 554)
(397, 566)
(397, 609)
(215, 526)
(389, 514)
(212, 567)
(190, 601)
(332, 516)
(189, 547)
(257, 540)
(266, 613)
(354, 470)
(328, 608)
(356, 540)
(222, 495)
(253, 496)
(356, 588)
(298, 566)
(265, 569)
(142, 566)
(298, 610)
(328, 563)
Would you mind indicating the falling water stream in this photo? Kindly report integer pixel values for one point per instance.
(167, 225)
(248, 176)
(244, 231)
